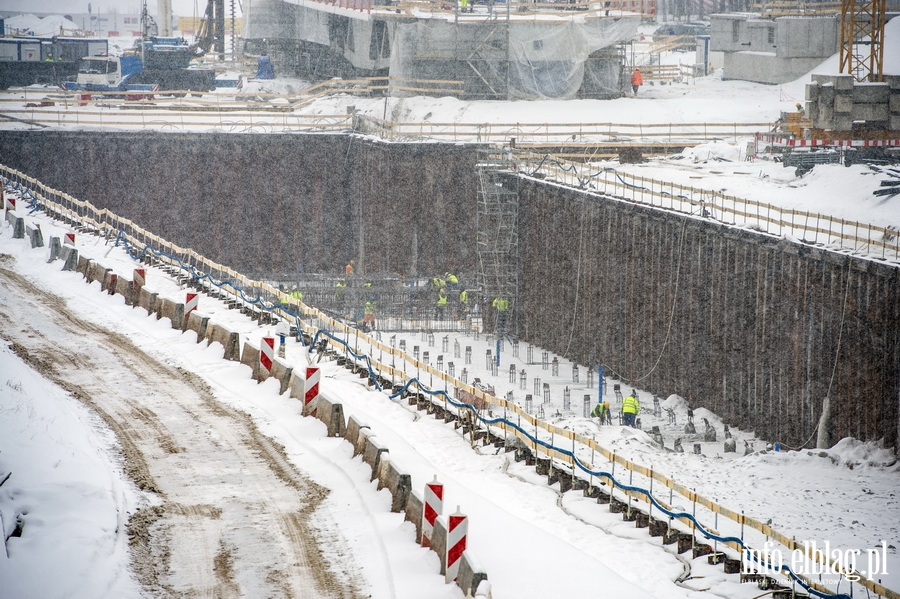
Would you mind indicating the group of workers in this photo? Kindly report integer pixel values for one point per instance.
(631, 407)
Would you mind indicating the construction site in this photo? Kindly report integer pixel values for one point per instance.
(718, 235)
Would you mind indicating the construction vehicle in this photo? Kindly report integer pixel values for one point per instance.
(165, 67)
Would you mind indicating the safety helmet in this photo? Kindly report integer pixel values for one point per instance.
(606, 404)
(634, 392)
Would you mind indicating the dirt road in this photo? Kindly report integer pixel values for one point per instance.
(233, 515)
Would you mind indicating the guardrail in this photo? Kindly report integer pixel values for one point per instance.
(808, 227)
(579, 454)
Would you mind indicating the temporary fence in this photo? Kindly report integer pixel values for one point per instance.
(392, 366)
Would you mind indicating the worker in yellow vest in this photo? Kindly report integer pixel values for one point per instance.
(441, 304)
(369, 315)
(631, 407)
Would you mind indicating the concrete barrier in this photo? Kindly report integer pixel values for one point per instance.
(197, 323)
(372, 454)
(35, 235)
(471, 574)
(298, 388)
(148, 300)
(439, 541)
(125, 288)
(395, 480)
(283, 373)
(96, 272)
(332, 414)
(54, 249)
(173, 311)
(250, 357)
(361, 441)
(18, 225)
(69, 256)
(216, 333)
(83, 264)
(354, 425)
(413, 512)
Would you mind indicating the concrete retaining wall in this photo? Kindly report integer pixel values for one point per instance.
(198, 323)
(372, 453)
(413, 512)
(283, 373)
(250, 357)
(354, 426)
(393, 478)
(174, 311)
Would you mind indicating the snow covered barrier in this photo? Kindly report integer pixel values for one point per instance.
(18, 225)
(54, 249)
(354, 425)
(229, 340)
(395, 480)
(332, 414)
(69, 257)
(35, 236)
(283, 374)
(198, 323)
(146, 299)
(250, 357)
(361, 441)
(413, 512)
(471, 573)
(372, 454)
(167, 308)
(125, 288)
(94, 271)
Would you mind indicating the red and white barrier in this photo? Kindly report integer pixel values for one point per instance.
(457, 534)
(9, 204)
(432, 506)
(192, 300)
(311, 391)
(139, 280)
(266, 354)
(790, 142)
(69, 239)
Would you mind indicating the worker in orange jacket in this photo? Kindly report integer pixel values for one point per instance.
(636, 80)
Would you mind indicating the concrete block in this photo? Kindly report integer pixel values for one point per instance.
(439, 541)
(844, 82)
(413, 512)
(823, 79)
(281, 372)
(827, 93)
(893, 81)
(35, 236)
(871, 93)
(148, 300)
(354, 425)
(172, 310)
(361, 441)
(894, 104)
(83, 264)
(332, 414)
(250, 357)
(812, 92)
(69, 256)
(871, 112)
(197, 322)
(397, 481)
(843, 122)
(471, 573)
(372, 452)
(55, 245)
(843, 103)
(894, 122)
(216, 333)
(97, 272)
(18, 227)
(298, 391)
(125, 288)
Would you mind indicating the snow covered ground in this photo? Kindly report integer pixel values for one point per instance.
(67, 484)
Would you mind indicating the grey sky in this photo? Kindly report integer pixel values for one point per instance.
(184, 8)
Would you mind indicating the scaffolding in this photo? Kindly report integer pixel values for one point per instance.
(498, 236)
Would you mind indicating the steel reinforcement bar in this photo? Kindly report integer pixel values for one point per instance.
(266, 297)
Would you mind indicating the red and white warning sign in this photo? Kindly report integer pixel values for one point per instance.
(457, 532)
(9, 205)
(432, 506)
(191, 302)
(69, 239)
(139, 279)
(266, 354)
(311, 391)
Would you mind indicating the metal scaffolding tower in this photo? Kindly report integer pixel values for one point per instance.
(497, 234)
(862, 39)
